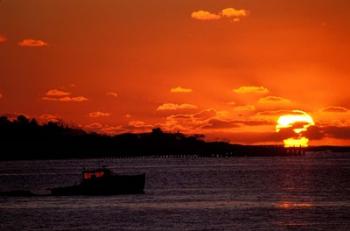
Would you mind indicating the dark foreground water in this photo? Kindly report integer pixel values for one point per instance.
(289, 193)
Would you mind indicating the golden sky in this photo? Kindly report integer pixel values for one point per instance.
(226, 69)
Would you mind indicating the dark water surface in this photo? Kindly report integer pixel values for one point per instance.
(269, 193)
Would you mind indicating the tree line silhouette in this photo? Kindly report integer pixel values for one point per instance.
(24, 138)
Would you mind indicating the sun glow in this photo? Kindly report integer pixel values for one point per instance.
(299, 122)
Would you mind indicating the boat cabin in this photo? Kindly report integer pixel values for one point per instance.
(95, 174)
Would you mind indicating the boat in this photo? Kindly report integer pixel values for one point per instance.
(103, 182)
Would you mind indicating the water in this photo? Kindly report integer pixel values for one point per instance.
(289, 193)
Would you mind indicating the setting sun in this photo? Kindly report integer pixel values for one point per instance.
(299, 122)
(296, 142)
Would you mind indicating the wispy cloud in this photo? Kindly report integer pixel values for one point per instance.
(219, 124)
(49, 118)
(112, 93)
(205, 114)
(112, 130)
(174, 107)
(180, 90)
(207, 121)
(98, 114)
(1, 96)
(138, 125)
(251, 90)
(94, 126)
(204, 15)
(271, 115)
(32, 43)
(335, 109)
(57, 93)
(244, 108)
(228, 13)
(62, 96)
(76, 99)
(274, 100)
(131, 127)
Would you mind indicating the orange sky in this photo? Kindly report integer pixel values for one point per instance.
(226, 69)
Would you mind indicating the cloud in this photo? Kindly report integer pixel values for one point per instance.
(112, 130)
(337, 132)
(257, 137)
(210, 121)
(229, 13)
(255, 122)
(180, 90)
(134, 126)
(204, 115)
(1, 96)
(219, 124)
(274, 100)
(190, 123)
(62, 96)
(314, 133)
(251, 90)
(174, 107)
(182, 122)
(138, 125)
(98, 114)
(94, 126)
(335, 109)
(49, 118)
(76, 99)
(204, 15)
(112, 93)
(2, 39)
(32, 43)
(273, 113)
(216, 123)
(57, 93)
(233, 13)
(252, 137)
(244, 108)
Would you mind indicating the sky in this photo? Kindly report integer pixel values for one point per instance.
(225, 69)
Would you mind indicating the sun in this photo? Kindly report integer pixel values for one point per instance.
(299, 121)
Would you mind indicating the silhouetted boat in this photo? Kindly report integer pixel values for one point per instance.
(103, 182)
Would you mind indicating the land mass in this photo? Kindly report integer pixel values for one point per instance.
(24, 138)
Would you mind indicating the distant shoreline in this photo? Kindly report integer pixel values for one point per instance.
(24, 139)
(330, 150)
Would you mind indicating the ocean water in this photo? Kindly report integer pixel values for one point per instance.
(267, 193)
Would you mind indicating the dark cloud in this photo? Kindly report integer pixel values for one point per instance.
(219, 124)
(337, 132)
(335, 109)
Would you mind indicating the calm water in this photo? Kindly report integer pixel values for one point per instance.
(289, 193)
